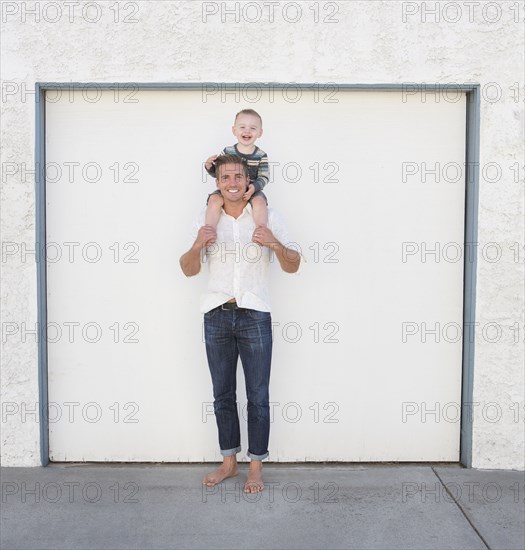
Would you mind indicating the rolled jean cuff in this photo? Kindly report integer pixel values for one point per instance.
(257, 457)
(230, 452)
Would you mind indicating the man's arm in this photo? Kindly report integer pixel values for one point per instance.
(190, 262)
(289, 259)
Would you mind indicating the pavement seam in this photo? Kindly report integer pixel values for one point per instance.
(462, 511)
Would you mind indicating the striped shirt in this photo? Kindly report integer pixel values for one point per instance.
(258, 168)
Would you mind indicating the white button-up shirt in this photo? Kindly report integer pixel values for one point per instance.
(238, 267)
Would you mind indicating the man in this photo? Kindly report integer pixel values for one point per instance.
(237, 318)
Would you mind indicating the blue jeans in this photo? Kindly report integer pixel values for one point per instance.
(228, 334)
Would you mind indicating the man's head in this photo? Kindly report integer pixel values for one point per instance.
(221, 160)
(232, 176)
(247, 127)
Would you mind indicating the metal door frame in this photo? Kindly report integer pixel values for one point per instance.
(472, 141)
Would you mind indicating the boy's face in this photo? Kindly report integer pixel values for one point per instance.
(232, 181)
(247, 129)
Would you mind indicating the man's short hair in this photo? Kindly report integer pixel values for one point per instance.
(248, 112)
(221, 160)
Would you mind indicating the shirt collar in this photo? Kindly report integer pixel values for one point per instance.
(247, 210)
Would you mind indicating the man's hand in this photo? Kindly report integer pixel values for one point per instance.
(209, 162)
(264, 237)
(206, 236)
(250, 191)
(190, 262)
(289, 259)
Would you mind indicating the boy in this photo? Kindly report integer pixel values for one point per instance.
(247, 128)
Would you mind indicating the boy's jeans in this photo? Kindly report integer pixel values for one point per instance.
(228, 334)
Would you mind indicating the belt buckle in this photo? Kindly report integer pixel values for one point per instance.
(232, 305)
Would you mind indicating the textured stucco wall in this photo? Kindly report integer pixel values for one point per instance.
(346, 42)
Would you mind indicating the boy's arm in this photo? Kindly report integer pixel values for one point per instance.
(263, 174)
(211, 170)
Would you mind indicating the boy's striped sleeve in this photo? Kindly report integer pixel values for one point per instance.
(263, 174)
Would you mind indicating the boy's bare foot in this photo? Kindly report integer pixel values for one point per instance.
(227, 469)
(254, 483)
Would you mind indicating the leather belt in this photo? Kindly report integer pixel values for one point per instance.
(230, 305)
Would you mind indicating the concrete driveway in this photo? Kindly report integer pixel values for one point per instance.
(164, 506)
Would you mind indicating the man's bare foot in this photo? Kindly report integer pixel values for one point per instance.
(254, 483)
(227, 469)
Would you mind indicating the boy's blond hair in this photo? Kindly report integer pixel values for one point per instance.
(248, 112)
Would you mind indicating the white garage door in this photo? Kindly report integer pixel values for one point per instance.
(367, 339)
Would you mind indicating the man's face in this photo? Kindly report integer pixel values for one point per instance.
(247, 129)
(232, 182)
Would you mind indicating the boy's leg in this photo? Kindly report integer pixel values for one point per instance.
(259, 209)
(213, 209)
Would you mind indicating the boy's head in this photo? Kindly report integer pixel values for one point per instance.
(247, 127)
